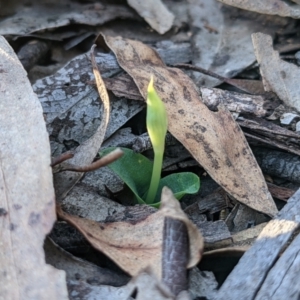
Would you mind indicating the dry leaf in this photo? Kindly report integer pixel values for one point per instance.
(278, 75)
(135, 246)
(221, 39)
(77, 268)
(85, 153)
(271, 7)
(71, 104)
(33, 18)
(145, 286)
(214, 139)
(27, 202)
(155, 14)
(265, 259)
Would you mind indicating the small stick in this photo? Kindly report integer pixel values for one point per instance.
(201, 70)
(248, 86)
(102, 162)
(59, 159)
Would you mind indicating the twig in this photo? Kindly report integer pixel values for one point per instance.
(59, 159)
(104, 161)
(201, 70)
(246, 85)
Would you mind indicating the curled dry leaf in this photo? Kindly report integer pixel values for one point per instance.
(214, 139)
(27, 205)
(135, 246)
(85, 153)
(278, 75)
(155, 14)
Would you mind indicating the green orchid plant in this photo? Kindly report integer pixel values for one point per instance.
(157, 125)
(143, 176)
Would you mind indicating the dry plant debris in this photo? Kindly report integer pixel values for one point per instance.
(214, 139)
(28, 20)
(211, 41)
(155, 13)
(278, 75)
(27, 201)
(261, 281)
(135, 246)
(223, 45)
(85, 153)
(271, 7)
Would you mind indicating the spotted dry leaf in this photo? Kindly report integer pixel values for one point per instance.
(137, 245)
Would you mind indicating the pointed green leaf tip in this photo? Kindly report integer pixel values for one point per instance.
(157, 119)
(157, 124)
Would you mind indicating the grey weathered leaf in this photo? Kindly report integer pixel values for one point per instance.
(278, 75)
(271, 7)
(269, 262)
(27, 201)
(86, 151)
(155, 14)
(42, 16)
(222, 38)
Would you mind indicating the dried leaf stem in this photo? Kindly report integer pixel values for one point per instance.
(104, 161)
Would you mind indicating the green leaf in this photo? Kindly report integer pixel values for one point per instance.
(157, 124)
(134, 169)
(180, 184)
(156, 120)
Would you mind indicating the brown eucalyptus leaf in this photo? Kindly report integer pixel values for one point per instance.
(123, 86)
(214, 139)
(27, 201)
(137, 245)
(278, 75)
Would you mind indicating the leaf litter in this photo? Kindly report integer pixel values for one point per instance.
(195, 34)
(155, 13)
(133, 246)
(221, 40)
(85, 153)
(272, 7)
(27, 201)
(214, 139)
(278, 75)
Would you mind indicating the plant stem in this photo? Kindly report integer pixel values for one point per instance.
(156, 174)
